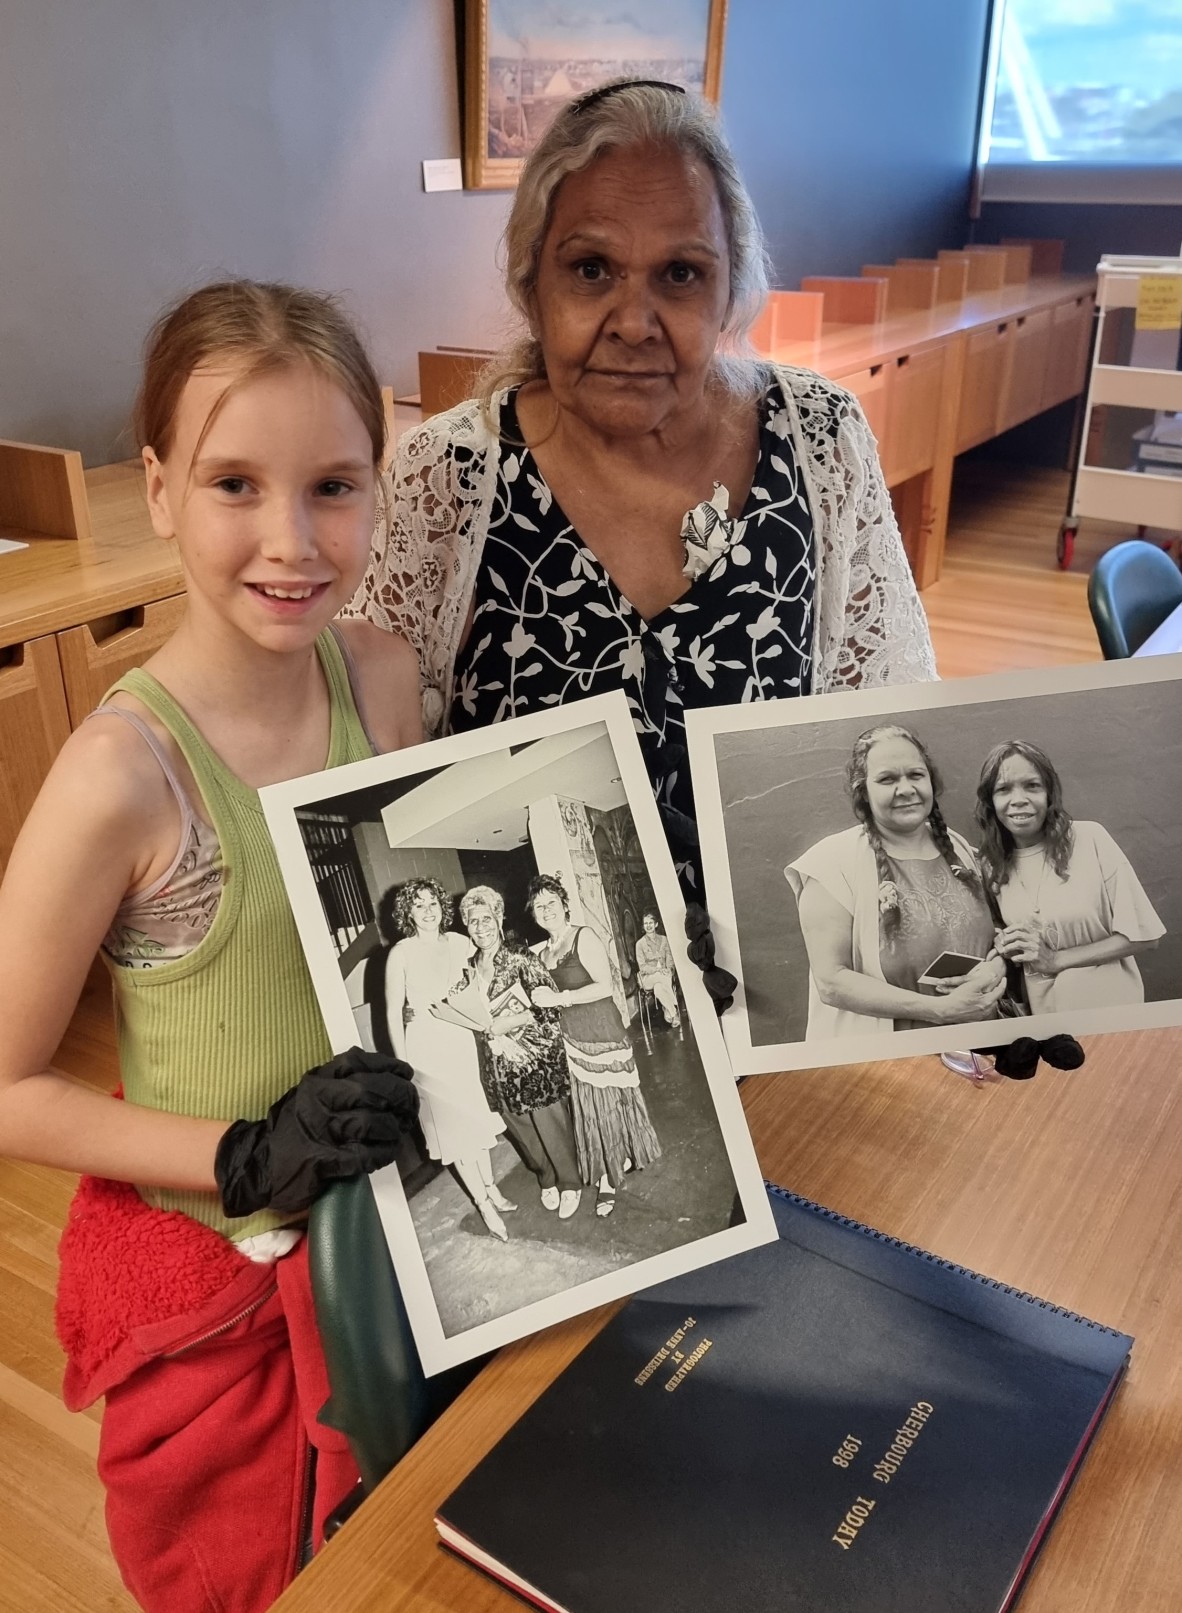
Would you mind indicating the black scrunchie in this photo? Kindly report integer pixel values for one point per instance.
(720, 983)
(1019, 1059)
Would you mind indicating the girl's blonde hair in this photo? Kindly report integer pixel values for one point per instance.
(255, 329)
(634, 114)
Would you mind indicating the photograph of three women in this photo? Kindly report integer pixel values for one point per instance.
(945, 867)
(502, 923)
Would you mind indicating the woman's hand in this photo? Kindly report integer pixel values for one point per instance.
(974, 995)
(545, 997)
(1027, 943)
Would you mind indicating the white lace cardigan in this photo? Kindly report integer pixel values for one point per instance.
(869, 626)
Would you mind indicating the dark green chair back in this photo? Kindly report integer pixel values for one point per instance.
(380, 1399)
(1133, 589)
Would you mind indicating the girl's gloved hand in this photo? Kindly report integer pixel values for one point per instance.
(344, 1118)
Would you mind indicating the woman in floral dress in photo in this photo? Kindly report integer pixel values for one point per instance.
(525, 1073)
(613, 1133)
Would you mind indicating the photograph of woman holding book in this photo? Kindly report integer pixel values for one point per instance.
(423, 966)
(1074, 912)
(654, 964)
(525, 1073)
(879, 903)
(613, 1133)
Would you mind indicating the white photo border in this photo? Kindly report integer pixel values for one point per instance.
(705, 723)
(438, 1351)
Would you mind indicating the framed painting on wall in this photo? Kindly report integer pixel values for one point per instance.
(524, 59)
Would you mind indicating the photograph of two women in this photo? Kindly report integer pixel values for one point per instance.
(947, 866)
(509, 924)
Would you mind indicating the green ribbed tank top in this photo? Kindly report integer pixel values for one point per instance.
(223, 1032)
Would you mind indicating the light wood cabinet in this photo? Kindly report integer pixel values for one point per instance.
(986, 353)
(34, 725)
(1067, 361)
(1026, 369)
(915, 386)
(49, 685)
(92, 593)
(96, 654)
(870, 388)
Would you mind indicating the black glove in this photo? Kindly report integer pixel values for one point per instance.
(720, 983)
(1019, 1059)
(341, 1119)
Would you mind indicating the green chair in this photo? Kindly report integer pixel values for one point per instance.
(1134, 587)
(380, 1400)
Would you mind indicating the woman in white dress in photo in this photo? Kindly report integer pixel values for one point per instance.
(1074, 912)
(422, 968)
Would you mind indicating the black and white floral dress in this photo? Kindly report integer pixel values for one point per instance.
(550, 625)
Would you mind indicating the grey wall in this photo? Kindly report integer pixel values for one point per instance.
(152, 144)
(1089, 229)
(854, 122)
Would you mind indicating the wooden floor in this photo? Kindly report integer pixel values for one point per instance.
(1002, 603)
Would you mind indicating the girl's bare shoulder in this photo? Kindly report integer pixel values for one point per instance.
(388, 675)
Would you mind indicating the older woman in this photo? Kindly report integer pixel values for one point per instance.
(630, 505)
(421, 969)
(613, 1133)
(880, 902)
(525, 1074)
(1074, 911)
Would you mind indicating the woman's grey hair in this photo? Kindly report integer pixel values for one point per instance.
(636, 114)
(483, 896)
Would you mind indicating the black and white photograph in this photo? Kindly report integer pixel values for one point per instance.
(497, 911)
(947, 865)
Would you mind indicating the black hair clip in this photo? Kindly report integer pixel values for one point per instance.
(604, 90)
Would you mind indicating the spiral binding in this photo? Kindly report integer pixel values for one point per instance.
(937, 1260)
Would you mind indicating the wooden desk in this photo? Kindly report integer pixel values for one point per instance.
(74, 615)
(1066, 1186)
(936, 382)
(1167, 640)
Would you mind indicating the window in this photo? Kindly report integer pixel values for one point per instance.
(1083, 102)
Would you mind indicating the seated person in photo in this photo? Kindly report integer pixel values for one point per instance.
(654, 963)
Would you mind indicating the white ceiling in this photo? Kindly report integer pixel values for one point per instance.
(482, 804)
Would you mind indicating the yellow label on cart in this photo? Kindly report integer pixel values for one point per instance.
(1159, 302)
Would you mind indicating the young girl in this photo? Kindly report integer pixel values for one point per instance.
(183, 1299)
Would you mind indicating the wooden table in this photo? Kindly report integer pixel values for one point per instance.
(1167, 640)
(75, 613)
(1068, 1186)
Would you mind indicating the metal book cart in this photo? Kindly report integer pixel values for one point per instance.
(1128, 459)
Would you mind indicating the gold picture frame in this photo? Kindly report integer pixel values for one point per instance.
(516, 75)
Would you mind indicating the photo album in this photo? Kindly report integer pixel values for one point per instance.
(500, 910)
